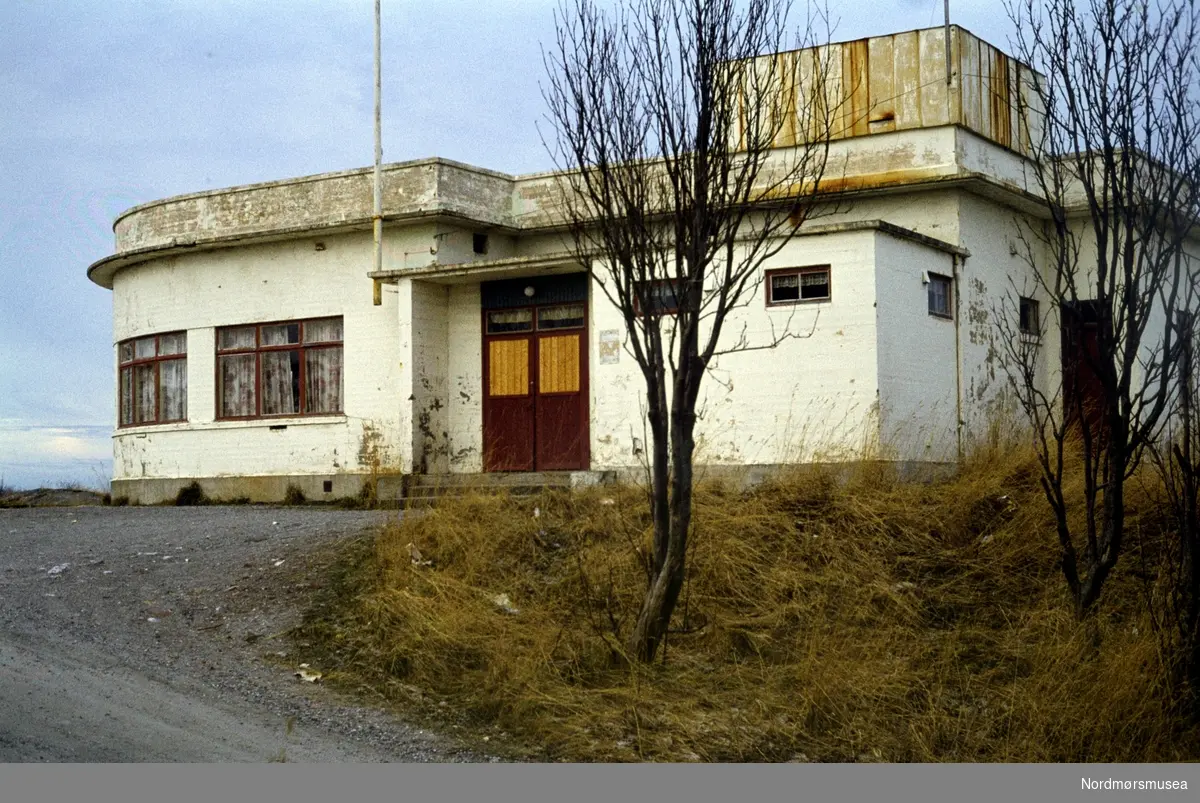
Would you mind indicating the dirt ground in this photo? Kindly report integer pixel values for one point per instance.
(154, 634)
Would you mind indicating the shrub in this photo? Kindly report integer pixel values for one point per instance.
(843, 617)
(294, 496)
(191, 494)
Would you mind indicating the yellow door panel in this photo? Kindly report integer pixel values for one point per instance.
(508, 367)
(558, 364)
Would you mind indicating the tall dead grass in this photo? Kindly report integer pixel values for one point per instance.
(825, 617)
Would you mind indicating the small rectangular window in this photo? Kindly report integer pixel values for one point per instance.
(564, 316)
(479, 243)
(941, 301)
(660, 295)
(510, 320)
(1031, 320)
(793, 285)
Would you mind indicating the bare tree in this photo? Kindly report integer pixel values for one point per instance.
(1174, 600)
(688, 163)
(1113, 133)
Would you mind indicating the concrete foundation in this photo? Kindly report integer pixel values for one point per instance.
(273, 488)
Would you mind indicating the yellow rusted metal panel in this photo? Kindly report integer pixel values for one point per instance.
(935, 105)
(558, 364)
(986, 59)
(858, 83)
(508, 367)
(1001, 128)
(906, 72)
(784, 117)
(888, 83)
(827, 61)
(954, 89)
(969, 81)
(881, 86)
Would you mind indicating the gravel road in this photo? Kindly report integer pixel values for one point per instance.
(150, 634)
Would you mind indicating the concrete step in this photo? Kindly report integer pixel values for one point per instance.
(423, 490)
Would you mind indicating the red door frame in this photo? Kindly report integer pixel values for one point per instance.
(534, 336)
(1082, 387)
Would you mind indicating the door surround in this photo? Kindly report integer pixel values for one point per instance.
(529, 323)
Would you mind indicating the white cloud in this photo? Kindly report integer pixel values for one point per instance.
(33, 455)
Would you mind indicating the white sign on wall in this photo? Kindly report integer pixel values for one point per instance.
(610, 347)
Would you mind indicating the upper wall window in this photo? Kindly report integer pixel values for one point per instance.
(793, 285)
(153, 379)
(280, 369)
(1031, 319)
(661, 295)
(941, 298)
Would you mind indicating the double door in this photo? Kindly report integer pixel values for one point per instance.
(535, 408)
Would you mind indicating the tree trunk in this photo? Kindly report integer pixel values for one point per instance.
(1112, 532)
(654, 619)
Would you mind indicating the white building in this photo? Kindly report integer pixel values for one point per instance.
(250, 355)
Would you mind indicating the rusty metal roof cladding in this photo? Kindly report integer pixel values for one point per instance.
(898, 82)
(931, 131)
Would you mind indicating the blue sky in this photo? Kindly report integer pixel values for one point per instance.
(107, 105)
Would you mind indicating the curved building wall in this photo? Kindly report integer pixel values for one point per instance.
(290, 280)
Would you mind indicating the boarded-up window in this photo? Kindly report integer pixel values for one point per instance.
(152, 379)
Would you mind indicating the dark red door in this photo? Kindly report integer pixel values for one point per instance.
(508, 387)
(535, 414)
(1083, 391)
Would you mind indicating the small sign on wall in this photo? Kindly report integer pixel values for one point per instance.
(610, 347)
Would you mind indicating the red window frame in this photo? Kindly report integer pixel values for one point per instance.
(656, 287)
(133, 363)
(259, 349)
(800, 273)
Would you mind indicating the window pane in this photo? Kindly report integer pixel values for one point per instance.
(143, 348)
(326, 331)
(939, 295)
(666, 296)
(567, 316)
(785, 287)
(241, 337)
(126, 351)
(236, 389)
(127, 395)
(172, 390)
(512, 320)
(172, 344)
(145, 407)
(661, 295)
(1030, 319)
(323, 380)
(281, 334)
(814, 285)
(280, 382)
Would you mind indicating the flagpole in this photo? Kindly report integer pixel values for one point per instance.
(377, 212)
(947, 42)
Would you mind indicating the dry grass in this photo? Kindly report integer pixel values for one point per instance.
(832, 619)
